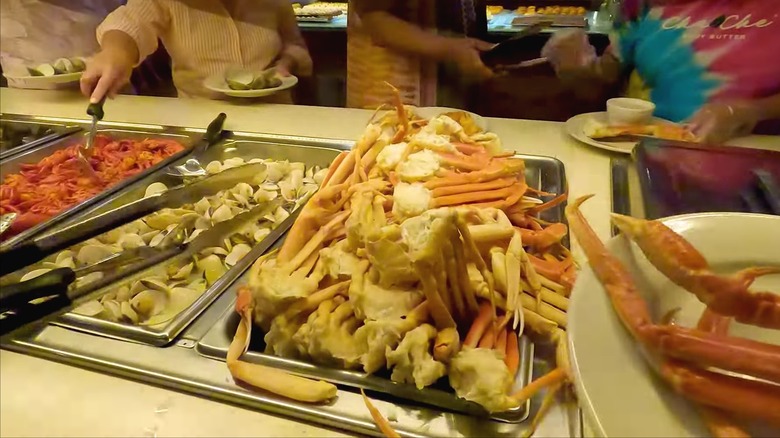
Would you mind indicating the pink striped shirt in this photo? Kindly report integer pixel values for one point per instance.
(203, 37)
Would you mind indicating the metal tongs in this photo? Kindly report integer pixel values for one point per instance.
(49, 295)
(40, 247)
(493, 57)
(96, 111)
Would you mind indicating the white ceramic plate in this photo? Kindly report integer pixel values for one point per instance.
(430, 112)
(32, 81)
(574, 127)
(217, 83)
(616, 388)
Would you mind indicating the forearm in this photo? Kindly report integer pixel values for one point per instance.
(389, 31)
(293, 44)
(768, 108)
(119, 42)
(594, 82)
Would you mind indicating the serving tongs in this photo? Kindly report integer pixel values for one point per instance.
(493, 57)
(48, 296)
(192, 168)
(83, 153)
(41, 247)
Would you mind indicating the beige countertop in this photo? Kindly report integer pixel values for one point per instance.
(44, 398)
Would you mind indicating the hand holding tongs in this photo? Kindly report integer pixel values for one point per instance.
(493, 57)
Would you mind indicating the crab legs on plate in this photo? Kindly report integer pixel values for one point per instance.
(688, 355)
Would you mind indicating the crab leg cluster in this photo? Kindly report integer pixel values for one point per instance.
(425, 233)
(687, 355)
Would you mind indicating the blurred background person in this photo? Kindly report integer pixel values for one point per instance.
(395, 41)
(33, 32)
(202, 37)
(703, 62)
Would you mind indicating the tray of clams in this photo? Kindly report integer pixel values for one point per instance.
(153, 305)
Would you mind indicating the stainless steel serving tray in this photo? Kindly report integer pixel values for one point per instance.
(56, 131)
(159, 336)
(543, 173)
(310, 151)
(13, 165)
(181, 368)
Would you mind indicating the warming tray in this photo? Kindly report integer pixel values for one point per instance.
(159, 336)
(179, 367)
(310, 151)
(22, 133)
(13, 165)
(544, 173)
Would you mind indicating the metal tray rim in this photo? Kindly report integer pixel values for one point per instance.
(326, 373)
(166, 334)
(108, 192)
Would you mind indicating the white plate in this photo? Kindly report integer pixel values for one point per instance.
(616, 387)
(430, 112)
(574, 127)
(32, 81)
(217, 83)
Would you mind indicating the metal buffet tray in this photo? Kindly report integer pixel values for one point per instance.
(53, 132)
(547, 174)
(312, 152)
(181, 367)
(161, 336)
(13, 164)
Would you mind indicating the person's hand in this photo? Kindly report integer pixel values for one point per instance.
(718, 122)
(569, 50)
(464, 53)
(296, 60)
(106, 73)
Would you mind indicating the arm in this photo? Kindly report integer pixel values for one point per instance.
(295, 55)
(392, 32)
(127, 36)
(768, 108)
(717, 122)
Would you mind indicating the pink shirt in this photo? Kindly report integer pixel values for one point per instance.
(686, 53)
(202, 37)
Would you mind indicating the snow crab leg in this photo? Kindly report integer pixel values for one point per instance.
(686, 352)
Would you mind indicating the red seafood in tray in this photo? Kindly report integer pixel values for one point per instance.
(42, 190)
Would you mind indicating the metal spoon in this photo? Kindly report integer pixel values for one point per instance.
(191, 168)
(5, 222)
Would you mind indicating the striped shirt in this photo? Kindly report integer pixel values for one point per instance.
(204, 37)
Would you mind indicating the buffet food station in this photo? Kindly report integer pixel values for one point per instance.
(248, 220)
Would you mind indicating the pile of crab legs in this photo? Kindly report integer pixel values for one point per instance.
(685, 357)
(527, 274)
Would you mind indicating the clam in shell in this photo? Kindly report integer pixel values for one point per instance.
(91, 308)
(222, 214)
(131, 241)
(237, 253)
(212, 268)
(127, 311)
(149, 303)
(214, 167)
(183, 272)
(91, 254)
(179, 298)
(155, 189)
(113, 310)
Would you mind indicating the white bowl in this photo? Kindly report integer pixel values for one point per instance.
(629, 111)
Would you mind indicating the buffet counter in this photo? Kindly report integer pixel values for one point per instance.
(77, 402)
